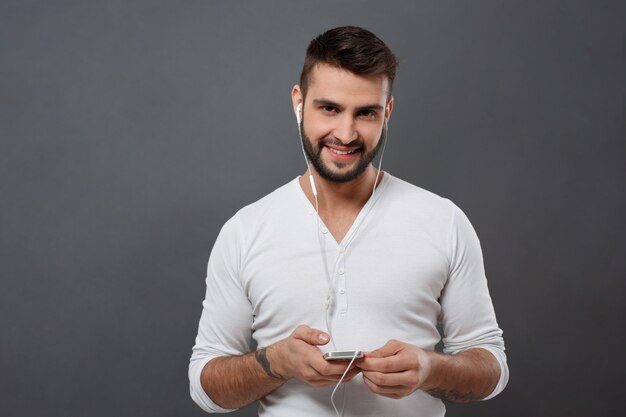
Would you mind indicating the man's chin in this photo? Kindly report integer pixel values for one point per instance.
(341, 174)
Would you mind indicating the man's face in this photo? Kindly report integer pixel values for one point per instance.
(342, 121)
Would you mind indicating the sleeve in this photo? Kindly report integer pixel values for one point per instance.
(468, 317)
(225, 323)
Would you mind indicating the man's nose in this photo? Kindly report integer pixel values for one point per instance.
(346, 130)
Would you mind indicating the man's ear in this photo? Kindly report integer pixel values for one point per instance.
(388, 109)
(296, 99)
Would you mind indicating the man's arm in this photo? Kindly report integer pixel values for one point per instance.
(465, 377)
(236, 381)
(398, 369)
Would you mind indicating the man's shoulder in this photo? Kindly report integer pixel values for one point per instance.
(409, 204)
(403, 192)
(281, 200)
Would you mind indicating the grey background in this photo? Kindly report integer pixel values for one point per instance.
(130, 131)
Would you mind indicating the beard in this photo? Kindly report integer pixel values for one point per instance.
(325, 171)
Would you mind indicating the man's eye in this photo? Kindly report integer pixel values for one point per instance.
(329, 109)
(368, 114)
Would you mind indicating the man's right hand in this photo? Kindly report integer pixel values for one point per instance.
(299, 357)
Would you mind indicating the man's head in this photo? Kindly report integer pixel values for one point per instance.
(344, 101)
(353, 49)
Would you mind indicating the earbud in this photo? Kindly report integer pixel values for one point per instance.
(299, 113)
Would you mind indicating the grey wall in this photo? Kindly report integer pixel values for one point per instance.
(130, 131)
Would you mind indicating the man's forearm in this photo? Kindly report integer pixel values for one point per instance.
(236, 381)
(465, 377)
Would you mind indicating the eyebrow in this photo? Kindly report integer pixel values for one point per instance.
(326, 102)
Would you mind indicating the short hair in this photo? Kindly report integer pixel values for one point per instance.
(353, 49)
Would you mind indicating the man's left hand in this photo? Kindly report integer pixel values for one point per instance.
(396, 370)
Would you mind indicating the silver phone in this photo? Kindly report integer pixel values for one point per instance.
(343, 355)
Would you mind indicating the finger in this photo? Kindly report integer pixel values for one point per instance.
(351, 374)
(395, 392)
(336, 377)
(332, 368)
(311, 336)
(404, 379)
(389, 364)
(313, 378)
(388, 349)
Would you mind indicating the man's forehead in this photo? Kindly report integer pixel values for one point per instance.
(330, 80)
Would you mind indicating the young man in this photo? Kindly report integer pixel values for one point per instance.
(346, 257)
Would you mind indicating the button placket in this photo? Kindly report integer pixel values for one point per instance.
(342, 298)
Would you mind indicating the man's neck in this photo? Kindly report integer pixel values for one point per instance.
(337, 197)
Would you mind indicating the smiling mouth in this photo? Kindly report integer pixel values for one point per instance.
(338, 152)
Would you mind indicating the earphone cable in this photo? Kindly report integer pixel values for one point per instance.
(320, 238)
(332, 395)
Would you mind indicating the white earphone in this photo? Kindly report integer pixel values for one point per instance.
(299, 113)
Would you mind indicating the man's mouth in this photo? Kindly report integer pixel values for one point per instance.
(338, 152)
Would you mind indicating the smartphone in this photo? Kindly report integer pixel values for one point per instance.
(343, 355)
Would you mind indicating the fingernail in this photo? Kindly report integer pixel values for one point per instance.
(323, 337)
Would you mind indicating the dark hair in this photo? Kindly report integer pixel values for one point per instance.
(350, 48)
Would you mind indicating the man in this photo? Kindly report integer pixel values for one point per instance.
(346, 257)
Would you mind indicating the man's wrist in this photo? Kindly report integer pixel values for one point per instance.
(432, 362)
(261, 357)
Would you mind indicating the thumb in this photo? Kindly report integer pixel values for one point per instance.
(311, 336)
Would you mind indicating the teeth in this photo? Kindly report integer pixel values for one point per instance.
(338, 152)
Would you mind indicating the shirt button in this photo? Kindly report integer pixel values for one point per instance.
(342, 290)
(324, 230)
(340, 271)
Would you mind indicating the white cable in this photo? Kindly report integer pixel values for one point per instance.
(332, 396)
(320, 238)
(331, 288)
(380, 162)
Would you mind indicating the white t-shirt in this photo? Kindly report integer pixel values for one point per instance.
(411, 260)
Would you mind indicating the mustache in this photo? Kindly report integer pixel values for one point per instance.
(356, 143)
